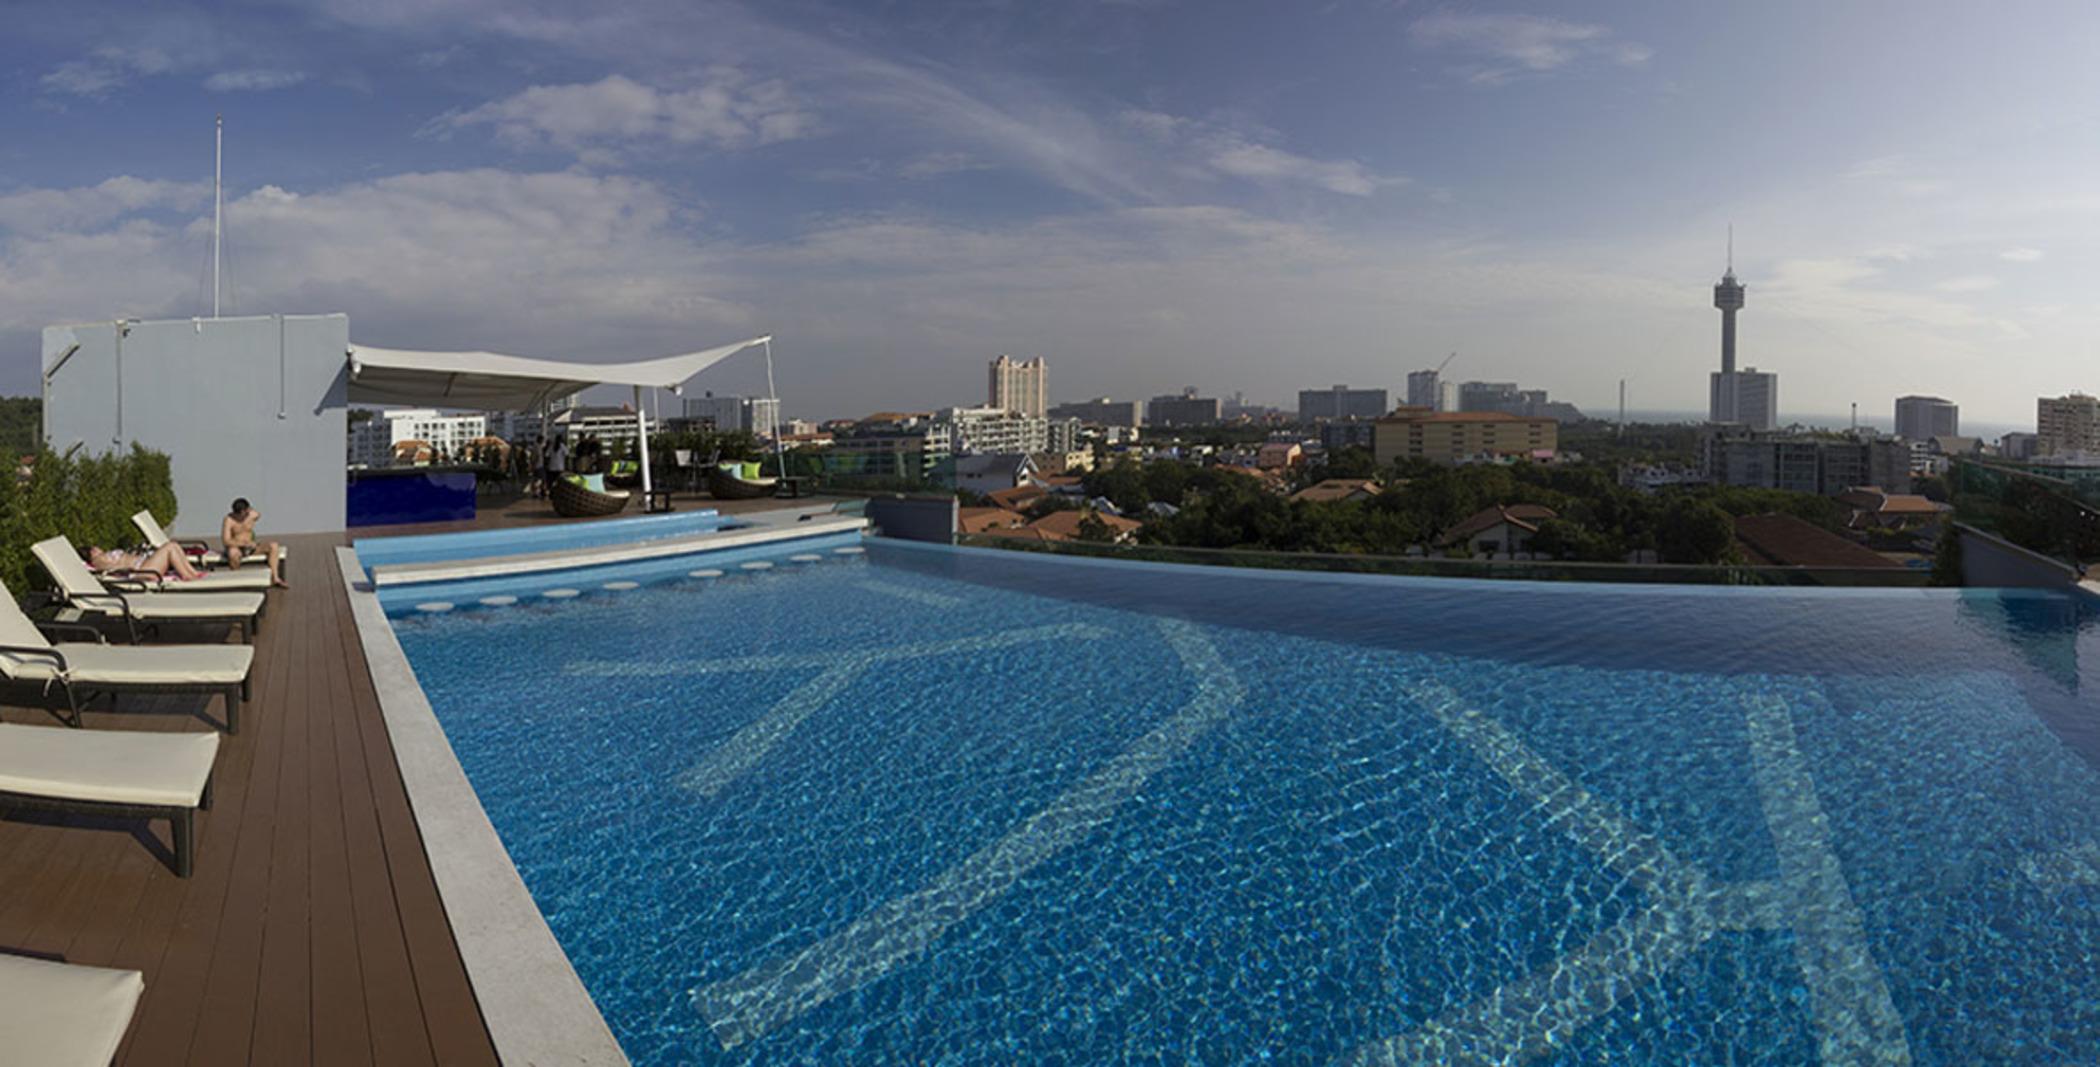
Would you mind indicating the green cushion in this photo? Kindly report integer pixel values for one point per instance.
(750, 473)
(574, 479)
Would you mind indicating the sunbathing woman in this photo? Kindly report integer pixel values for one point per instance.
(162, 560)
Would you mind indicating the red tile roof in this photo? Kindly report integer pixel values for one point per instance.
(980, 520)
(1522, 516)
(1787, 541)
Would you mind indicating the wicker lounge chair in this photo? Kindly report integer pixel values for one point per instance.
(201, 553)
(65, 1014)
(83, 669)
(726, 485)
(573, 499)
(143, 602)
(118, 773)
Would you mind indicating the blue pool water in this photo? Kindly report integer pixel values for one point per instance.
(953, 806)
(434, 548)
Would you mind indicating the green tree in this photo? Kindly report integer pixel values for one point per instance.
(1695, 531)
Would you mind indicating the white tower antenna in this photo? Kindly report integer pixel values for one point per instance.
(218, 203)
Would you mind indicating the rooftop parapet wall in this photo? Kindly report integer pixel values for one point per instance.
(250, 407)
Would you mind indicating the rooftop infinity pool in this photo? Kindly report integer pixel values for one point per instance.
(934, 805)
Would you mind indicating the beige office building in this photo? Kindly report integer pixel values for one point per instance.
(2067, 425)
(1019, 386)
(1461, 436)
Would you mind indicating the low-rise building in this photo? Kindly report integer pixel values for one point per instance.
(1348, 433)
(1102, 411)
(1462, 436)
(1788, 541)
(1277, 455)
(1503, 530)
(1339, 489)
(1340, 402)
(993, 471)
(1188, 409)
(1804, 463)
(1871, 506)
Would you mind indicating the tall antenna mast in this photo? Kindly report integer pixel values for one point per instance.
(218, 202)
(1731, 248)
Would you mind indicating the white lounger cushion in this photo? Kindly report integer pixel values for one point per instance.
(63, 1013)
(193, 606)
(243, 580)
(150, 528)
(137, 664)
(113, 766)
(62, 561)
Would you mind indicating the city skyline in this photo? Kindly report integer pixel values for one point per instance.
(1143, 194)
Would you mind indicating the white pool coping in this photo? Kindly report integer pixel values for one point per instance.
(534, 1004)
(764, 531)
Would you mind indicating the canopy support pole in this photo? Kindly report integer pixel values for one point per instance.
(772, 394)
(641, 433)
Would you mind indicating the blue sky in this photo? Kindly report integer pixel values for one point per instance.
(1253, 197)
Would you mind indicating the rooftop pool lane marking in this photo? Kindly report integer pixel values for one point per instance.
(621, 587)
(600, 668)
(708, 572)
(561, 594)
(723, 765)
(805, 557)
(1855, 1021)
(756, 1002)
(917, 596)
(434, 607)
(755, 565)
(499, 601)
(849, 550)
(1529, 1017)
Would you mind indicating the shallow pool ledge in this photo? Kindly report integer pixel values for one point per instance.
(536, 1008)
(757, 533)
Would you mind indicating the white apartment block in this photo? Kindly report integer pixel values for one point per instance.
(755, 414)
(1019, 386)
(372, 441)
(992, 429)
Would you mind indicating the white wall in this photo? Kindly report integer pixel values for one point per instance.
(250, 407)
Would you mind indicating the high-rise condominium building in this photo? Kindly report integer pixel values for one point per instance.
(2065, 425)
(1921, 418)
(1423, 391)
(1340, 402)
(1750, 394)
(1019, 386)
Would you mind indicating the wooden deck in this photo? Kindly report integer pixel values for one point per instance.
(311, 931)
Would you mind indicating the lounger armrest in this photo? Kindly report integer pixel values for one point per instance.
(145, 580)
(52, 654)
(104, 600)
(78, 631)
(39, 599)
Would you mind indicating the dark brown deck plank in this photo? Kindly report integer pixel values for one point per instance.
(311, 930)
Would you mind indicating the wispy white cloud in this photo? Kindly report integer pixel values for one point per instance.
(1223, 151)
(1505, 46)
(1967, 283)
(90, 206)
(727, 111)
(2021, 255)
(239, 81)
(106, 69)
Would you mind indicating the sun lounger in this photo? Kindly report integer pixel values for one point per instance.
(80, 670)
(118, 773)
(200, 552)
(139, 604)
(58, 552)
(65, 1014)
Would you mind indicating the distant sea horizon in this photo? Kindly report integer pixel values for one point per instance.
(1987, 429)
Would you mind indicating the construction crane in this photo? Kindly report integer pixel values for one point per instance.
(1447, 362)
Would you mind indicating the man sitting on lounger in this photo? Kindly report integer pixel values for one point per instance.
(237, 534)
(167, 561)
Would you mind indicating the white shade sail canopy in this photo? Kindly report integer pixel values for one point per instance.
(492, 381)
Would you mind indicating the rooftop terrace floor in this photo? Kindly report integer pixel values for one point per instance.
(312, 930)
